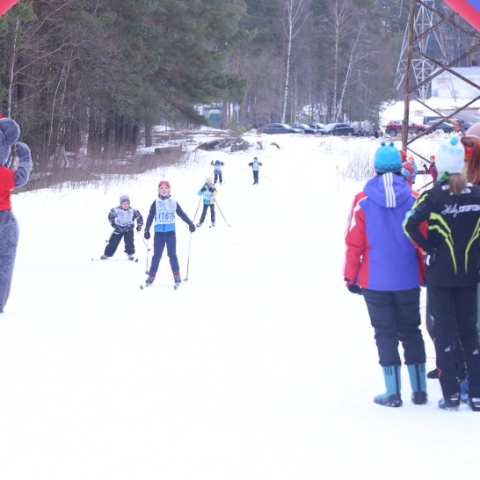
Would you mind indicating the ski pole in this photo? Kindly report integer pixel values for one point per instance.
(188, 260)
(147, 271)
(222, 214)
(198, 206)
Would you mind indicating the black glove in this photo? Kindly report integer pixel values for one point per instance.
(139, 227)
(146, 235)
(431, 257)
(203, 189)
(191, 227)
(353, 287)
(212, 189)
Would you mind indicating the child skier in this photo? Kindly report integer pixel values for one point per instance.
(217, 171)
(208, 191)
(10, 179)
(256, 168)
(163, 211)
(122, 219)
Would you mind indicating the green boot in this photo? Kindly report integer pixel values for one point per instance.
(393, 383)
(418, 381)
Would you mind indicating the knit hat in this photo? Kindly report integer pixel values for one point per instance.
(164, 182)
(450, 156)
(208, 179)
(9, 133)
(474, 130)
(124, 198)
(387, 159)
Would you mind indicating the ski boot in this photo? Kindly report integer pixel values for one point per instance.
(450, 402)
(391, 398)
(131, 257)
(176, 277)
(103, 257)
(151, 278)
(200, 223)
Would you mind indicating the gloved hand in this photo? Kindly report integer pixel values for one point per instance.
(353, 287)
(212, 189)
(22, 150)
(431, 257)
(191, 227)
(146, 235)
(139, 227)
(203, 189)
(113, 225)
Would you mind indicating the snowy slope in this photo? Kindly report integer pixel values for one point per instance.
(261, 366)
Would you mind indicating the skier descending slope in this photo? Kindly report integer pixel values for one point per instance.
(163, 211)
(382, 264)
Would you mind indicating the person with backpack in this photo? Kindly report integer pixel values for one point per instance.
(163, 211)
(451, 210)
(383, 265)
(255, 168)
(217, 171)
(208, 192)
(122, 219)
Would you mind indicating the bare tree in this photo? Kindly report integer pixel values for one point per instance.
(293, 21)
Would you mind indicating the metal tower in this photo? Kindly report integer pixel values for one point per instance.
(431, 41)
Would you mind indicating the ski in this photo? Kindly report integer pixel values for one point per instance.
(134, 260)
(143, 287)
(211, 226)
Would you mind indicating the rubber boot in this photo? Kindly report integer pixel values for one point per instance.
(418, 381)
(391, 398)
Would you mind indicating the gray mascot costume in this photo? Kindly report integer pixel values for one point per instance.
(10, 179)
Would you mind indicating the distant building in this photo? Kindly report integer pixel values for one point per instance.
(447, 85)
(215, 116)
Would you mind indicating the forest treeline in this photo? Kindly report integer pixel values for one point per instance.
(92, 74)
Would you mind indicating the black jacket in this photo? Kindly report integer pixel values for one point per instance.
(453, 234)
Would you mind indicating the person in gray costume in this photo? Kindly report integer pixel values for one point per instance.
(10, 179)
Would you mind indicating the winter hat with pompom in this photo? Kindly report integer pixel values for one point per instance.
(124, 198)
(387, 159)
(9, 133)
(450, 156)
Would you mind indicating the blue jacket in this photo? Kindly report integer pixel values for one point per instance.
(379, 255)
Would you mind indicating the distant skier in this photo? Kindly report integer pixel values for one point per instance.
(163, 210)
(217, 171)
(10, 179)
(208, 191)
(122, 219)
(256, 168)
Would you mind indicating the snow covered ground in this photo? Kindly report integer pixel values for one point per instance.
(261, 366)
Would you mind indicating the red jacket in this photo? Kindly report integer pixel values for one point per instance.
(7, 184)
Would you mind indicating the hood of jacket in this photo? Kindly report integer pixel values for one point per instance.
(388, 190)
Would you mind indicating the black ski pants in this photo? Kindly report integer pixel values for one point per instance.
(115, 239)
(217, 176)
(395, 317)
(204, 212)
(458, 350)
(255, 176)
(159, 241)
(454, 312)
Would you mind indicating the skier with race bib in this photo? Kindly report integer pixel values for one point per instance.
(163, 211)
(217, 171)
(122, 219)
(208, 191)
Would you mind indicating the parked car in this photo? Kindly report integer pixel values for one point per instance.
(303, 126)
(463, 123)
(336, 129)
(275, 128)
(396, 126)
(447, 127)
(316, 125)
